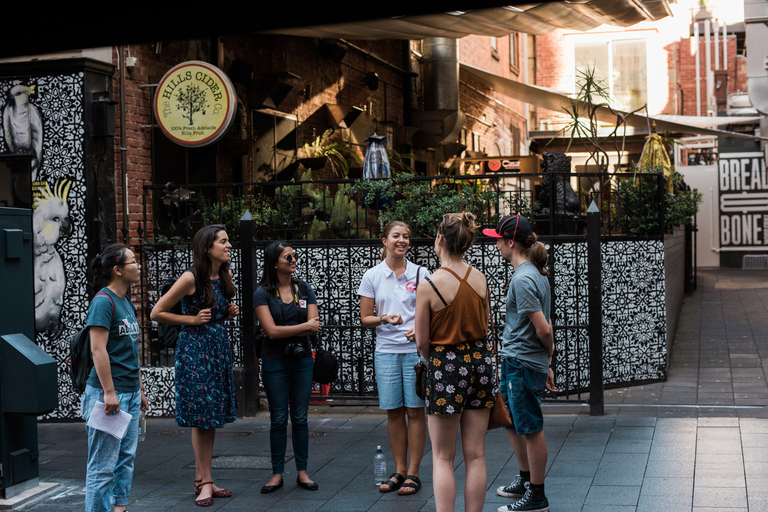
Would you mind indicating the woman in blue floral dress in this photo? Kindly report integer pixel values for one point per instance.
(205, 386)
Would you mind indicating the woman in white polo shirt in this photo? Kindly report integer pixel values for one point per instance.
(388, 303)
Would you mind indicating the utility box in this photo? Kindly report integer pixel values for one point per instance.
(28, 375)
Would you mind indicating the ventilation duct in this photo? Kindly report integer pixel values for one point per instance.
(441, 121)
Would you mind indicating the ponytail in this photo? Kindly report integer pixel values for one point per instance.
(458, 231)
(537, 253)
(101, 266)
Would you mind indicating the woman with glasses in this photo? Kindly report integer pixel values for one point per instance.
(114, 384)
(387, 302)
(205, 385)
(286, 308)
(452, 310)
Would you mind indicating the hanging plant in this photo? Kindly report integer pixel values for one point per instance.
(320, 151)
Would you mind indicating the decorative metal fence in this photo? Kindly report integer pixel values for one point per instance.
(337, 247)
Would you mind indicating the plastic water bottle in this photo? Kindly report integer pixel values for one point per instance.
(142, 426)
(379, 467)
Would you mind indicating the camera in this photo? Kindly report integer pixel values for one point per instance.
(294, 349)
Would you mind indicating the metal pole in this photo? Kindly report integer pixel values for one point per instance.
(250, 395)
(697, 57)
(594, 288)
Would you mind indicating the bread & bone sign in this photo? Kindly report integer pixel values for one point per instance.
(743, 183)
(195, 103)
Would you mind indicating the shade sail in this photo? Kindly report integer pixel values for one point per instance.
(534, 18)
(558, 101)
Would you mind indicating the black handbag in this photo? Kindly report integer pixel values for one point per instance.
(326, 368)
(421, 379)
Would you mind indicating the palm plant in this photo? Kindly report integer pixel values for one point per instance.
(333, 152)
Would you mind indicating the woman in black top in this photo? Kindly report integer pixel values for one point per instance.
(287, 312)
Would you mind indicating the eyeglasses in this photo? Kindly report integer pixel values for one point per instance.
(290, 257)
(134, 262)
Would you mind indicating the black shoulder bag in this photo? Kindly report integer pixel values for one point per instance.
(326, 368)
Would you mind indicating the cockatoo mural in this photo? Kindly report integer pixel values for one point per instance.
(50, 223)
(23, 126)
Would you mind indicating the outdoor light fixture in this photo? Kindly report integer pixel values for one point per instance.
(371, 79)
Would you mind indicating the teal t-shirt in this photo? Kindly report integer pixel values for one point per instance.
(123, 342)
(528, 292)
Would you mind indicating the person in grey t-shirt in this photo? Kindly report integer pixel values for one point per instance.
(526, 352)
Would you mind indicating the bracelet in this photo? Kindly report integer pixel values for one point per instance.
(381, 320)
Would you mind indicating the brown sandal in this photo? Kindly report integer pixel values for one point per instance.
(205, 502)
(217, 493)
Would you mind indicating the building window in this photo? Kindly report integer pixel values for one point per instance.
(514, 58)
(621, 65)
(494, 48)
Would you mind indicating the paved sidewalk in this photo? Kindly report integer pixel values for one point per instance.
(696, 443)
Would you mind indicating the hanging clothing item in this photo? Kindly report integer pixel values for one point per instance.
(376, 163)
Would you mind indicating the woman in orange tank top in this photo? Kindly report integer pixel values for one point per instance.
(452, 308)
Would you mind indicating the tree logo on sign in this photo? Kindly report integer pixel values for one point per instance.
(192, 99)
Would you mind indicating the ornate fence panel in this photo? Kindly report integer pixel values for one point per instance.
(632, 293)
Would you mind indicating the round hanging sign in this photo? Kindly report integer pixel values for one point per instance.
(195, 103)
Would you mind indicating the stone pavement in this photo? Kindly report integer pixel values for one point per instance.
(696, 443)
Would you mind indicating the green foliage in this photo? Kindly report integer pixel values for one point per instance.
(229, 212)
(636, 203)
(682, 204)
(398, 161)
(518, 204)
(592, 93)
(337, 153)
(422, 204)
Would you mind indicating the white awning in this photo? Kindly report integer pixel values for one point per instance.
(534, 18)
(558, 101)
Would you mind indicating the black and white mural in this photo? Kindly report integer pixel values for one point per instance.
(43, 118)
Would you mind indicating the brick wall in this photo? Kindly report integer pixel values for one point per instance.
(319, 81)
(555, 68)
(685, 87)
(494, 119)
(554, 64)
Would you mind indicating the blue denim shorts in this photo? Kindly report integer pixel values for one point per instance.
(522, 389)
(396, 380)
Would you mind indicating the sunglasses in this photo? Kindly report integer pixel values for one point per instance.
(290, 257)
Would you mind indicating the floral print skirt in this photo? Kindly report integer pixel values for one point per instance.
(460, 377)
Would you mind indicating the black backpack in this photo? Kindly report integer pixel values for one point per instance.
(167, 334)
(80, 359)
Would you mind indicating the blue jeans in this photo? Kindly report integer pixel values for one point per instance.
(109, 469)
(522, 389)
(288, 381)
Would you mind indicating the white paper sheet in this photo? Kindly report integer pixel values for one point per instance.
(113, 424)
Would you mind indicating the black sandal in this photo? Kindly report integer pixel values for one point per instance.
(416, 485)
(392, 486)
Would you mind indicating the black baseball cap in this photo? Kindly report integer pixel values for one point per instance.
(515, 227)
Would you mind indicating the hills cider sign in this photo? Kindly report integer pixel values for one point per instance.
(195, 103)
(743, 184)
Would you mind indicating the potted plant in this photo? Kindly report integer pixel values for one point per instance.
(321, 151)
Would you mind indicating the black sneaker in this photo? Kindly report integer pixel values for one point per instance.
(530, 502)
(514, 490)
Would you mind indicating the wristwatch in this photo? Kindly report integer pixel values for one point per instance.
(381, 320)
